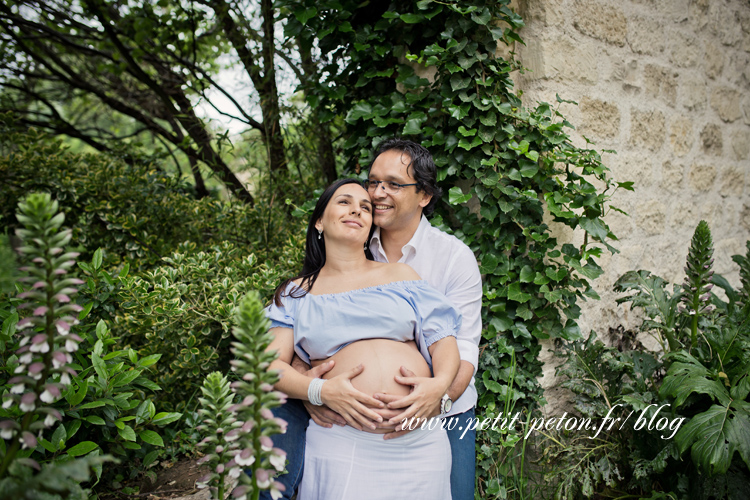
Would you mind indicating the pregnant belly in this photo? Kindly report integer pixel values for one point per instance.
(382, 359)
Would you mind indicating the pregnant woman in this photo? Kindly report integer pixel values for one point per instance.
(369, 319)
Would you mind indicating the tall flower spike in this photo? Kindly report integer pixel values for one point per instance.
(220, 425)
(697, 285)
(44, 332)
(744, 262)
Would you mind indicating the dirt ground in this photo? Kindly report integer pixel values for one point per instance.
(175, 481)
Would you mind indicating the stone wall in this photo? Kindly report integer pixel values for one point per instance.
(666, 84)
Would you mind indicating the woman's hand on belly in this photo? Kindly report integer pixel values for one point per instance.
(382, 359)
(340, 395)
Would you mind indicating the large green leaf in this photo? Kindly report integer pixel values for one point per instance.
(456, 196)
(126, 432)
(686, 378)
(151, 438)
(714, 435)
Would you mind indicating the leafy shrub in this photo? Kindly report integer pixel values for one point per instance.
(41, 368)
(183, 309)
(135, 212)
(701, 378)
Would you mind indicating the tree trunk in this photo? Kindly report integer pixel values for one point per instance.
(326, 158)
(269, 96)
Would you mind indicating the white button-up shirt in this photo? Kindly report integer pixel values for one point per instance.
(447, 264)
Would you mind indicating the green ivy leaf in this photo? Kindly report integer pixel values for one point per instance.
(515, 293)
(413, 127)
(304, 15)
(411, 18)
(360, 110)
(93, 419)
(458, 83)
(456, 196)
(501, 322)
(482, 17)
(595, 227)
(527, 274)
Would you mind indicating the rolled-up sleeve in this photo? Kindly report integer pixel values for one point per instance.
(437, 317)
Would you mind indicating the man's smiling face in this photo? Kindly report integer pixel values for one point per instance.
(394, 211)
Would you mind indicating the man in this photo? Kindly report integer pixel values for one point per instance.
(402, 183)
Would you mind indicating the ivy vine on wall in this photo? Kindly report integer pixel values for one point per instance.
(507, 171)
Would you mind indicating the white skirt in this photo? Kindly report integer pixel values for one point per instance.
(343, 463)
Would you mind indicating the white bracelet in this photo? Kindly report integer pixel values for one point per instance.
(314, 390)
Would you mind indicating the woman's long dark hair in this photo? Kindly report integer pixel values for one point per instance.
(315, 248)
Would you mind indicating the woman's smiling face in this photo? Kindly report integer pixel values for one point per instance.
(348, 214)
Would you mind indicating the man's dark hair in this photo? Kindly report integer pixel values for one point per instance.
(423, 169)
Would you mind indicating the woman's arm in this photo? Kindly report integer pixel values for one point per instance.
(337, 393)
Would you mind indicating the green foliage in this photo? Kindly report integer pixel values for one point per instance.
(659, 305)
(8, 272)
(508, 173)
(218, 423)
(136, 213)
(96, 393)
(184, 309)
(705, 365)
(606, 380)
(55, 480)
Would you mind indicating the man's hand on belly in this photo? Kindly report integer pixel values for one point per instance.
(390, 413)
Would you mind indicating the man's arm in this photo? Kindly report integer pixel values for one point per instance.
(464, 290)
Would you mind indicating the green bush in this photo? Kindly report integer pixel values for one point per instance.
(184, 309)
(700, 379)
(179, 264)
(137, 212)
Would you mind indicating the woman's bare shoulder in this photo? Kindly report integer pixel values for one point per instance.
(402, 272)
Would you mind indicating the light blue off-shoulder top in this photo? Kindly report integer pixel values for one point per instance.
(401, 310)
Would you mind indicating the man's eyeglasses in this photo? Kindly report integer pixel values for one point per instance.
(389, 186)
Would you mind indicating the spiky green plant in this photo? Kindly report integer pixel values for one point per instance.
(696, 291)
(219, 426)
(744, 262)
(41, 368)
(257, 396)
(239, 434)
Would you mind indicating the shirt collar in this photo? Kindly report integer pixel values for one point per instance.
(412, 245)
